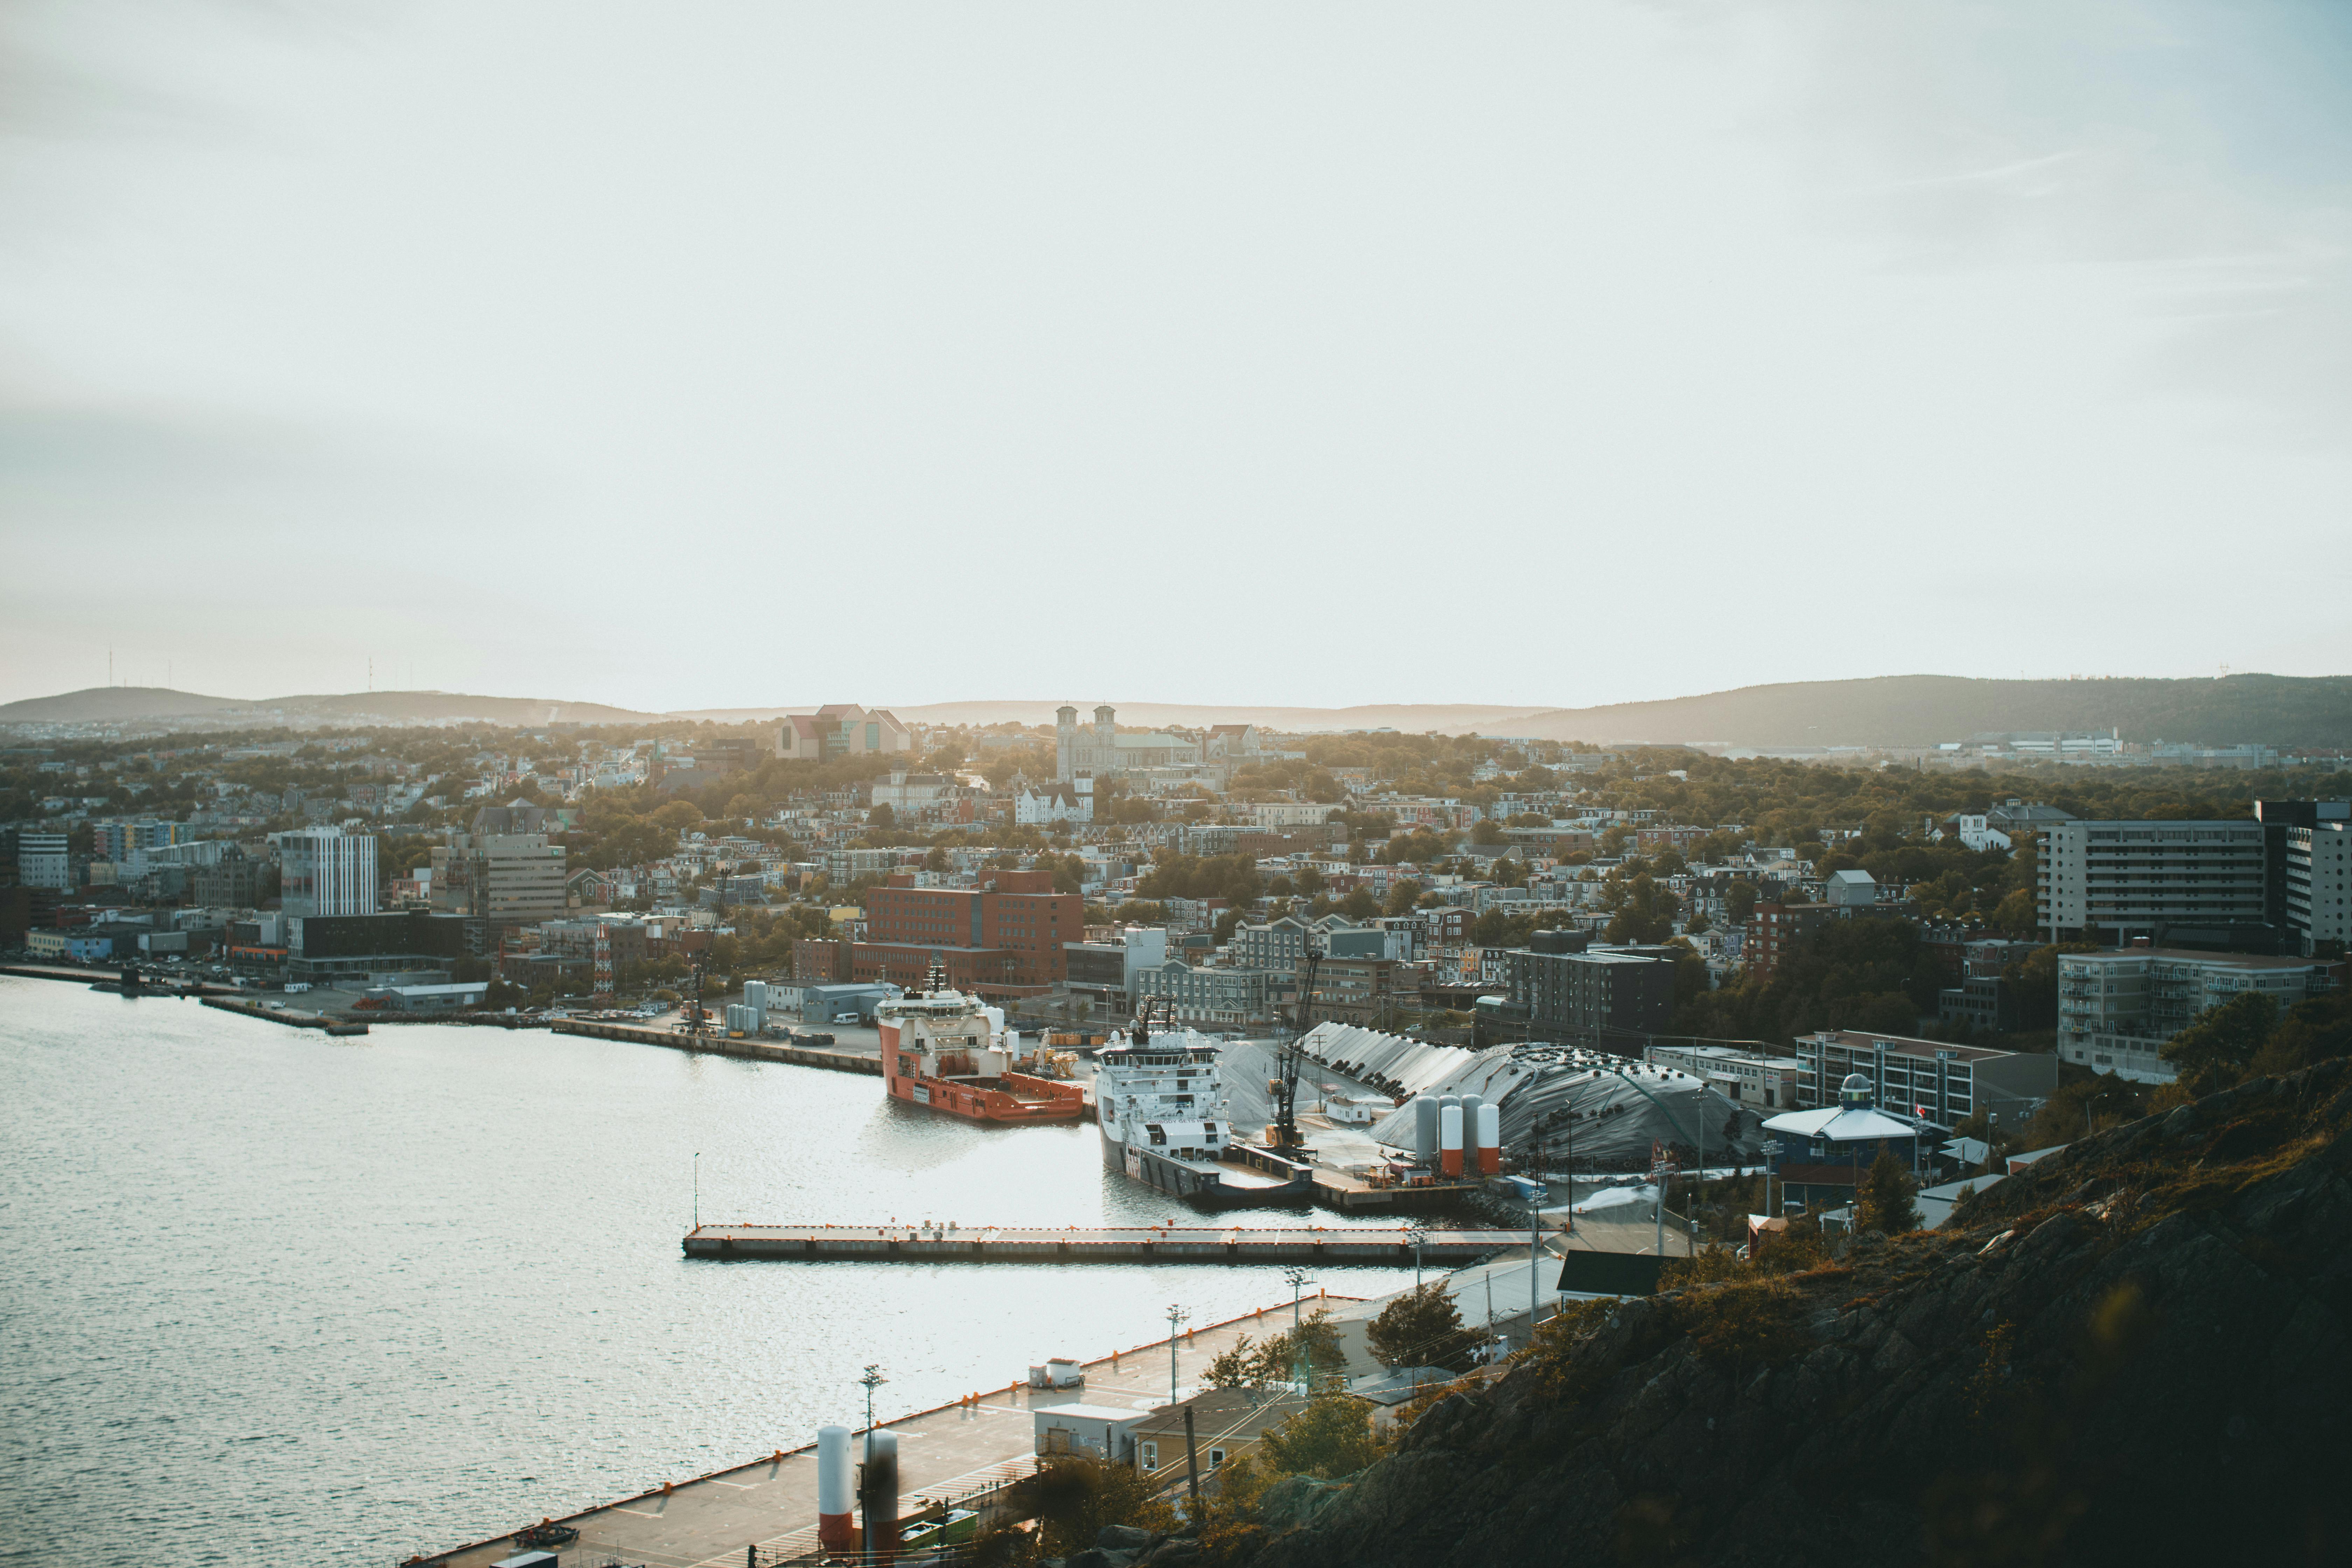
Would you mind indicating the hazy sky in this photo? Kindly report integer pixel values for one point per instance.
(695, 355)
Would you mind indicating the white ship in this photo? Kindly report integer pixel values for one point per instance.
(1159, 1104)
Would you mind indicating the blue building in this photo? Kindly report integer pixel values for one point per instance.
(1824, 1153)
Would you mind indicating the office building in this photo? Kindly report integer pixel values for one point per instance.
(841, 730)
(1756, 1078)
(505, 879)
(1945, 1084)
(2117, 1010)
(42, 861)
(236, 880)
(326, 871)
(1602, 997)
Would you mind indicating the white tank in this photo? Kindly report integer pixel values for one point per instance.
(1470, 1104)
(1449, 1137)
(1490, 1139)
(832, 1472)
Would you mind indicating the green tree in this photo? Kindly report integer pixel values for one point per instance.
(2220, 1043)
(1739, 900)
(1485, 830)
(1074, 1495)
(1421, 1328)
(1359, 905)
(1403, 894)
(1885, 1202)
(1330, 1439)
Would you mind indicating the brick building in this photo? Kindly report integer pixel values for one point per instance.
(1775, 930)
(1006, 938)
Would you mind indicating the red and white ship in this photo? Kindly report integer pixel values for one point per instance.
(944, 1049)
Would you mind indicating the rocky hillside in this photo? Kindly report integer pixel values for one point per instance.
(2136, 1352)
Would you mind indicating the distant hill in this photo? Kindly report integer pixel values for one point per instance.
(101, 704)
(1922, 709)
(1889, 710)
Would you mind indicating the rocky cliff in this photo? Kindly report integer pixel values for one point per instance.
(2135, 1352)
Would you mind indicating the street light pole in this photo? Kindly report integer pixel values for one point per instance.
(1175, 1319)
(873, 1379)
(1300, 1362)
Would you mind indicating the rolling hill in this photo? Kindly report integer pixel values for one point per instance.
(1923, 710)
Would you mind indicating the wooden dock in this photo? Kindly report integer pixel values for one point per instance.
(338, 1027)
(1383, 1247)
(716, 1043)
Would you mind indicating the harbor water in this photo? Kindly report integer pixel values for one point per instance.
(270, 1297)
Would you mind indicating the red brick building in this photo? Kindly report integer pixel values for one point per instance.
(817, 961)
(1775, 930)
(1003, 939)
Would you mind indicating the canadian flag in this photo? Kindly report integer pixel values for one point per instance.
(1920, 1111)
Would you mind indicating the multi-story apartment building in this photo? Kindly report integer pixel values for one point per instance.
(2308, 856)
(1209, 995)
(326, 871)
(1017, 930)
(1750, 1078)
(1600, 996)
(1774, 929)
(2116, 1010)
(2119, 880)
(1946, 1084)
(42, 861)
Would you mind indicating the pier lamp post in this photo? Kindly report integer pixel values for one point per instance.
(873, 1379)
(1416, 1233)
(1176, 1316)
(1299, 1363)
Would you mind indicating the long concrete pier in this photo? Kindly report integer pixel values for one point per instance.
(288, 1017)
(1377, 1246)
(716, 1043)
(950, 1452)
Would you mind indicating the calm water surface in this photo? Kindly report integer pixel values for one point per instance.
(269, 1297)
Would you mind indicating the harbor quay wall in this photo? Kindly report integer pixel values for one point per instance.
(974, 1446)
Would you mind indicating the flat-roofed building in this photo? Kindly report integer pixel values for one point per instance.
(2117, 1010)
(326, 871)
(1759, 1078)
(1945, 1084)
(2118, 880)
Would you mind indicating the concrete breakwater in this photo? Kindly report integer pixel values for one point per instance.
(1383, 1247)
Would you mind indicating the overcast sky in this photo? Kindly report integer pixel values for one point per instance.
(716, 355)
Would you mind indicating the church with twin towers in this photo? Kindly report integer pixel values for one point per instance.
(1099, 751)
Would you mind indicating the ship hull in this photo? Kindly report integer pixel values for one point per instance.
(1203, 1183)
(1037, 1100)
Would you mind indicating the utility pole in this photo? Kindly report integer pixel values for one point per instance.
(1535, 1262)
(1175, 1319)
(1300, 1362)
(1192, 1466)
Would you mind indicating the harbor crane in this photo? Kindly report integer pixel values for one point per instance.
(1285, 1097)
